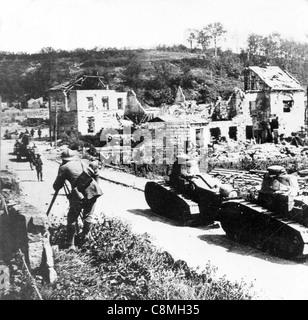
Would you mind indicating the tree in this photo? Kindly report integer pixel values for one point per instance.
(214, 31)
(46, 73)
(254, 43)
(131, 75)
(203, 38)
(191, 38)
(271, 47)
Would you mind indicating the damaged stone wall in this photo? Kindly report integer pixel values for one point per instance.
(292, 118)
(228, 109)
(165, 140)
(24, 227)
(168, 139)
(276, 101)
(232, 119)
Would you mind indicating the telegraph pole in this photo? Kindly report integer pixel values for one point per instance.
(50, 122)
(306, 113)
(0, 126)
(56, 105)
(56, 124)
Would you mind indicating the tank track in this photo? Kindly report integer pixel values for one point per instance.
(168, 202)
(264, 230)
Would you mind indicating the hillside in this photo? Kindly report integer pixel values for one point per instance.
(153, 74)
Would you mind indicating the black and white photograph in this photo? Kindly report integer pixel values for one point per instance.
(153, 153)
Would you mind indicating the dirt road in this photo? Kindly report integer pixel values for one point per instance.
(273, 278)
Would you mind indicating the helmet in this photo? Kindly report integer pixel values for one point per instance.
(276, 170)
(68, 155)
(227, 191)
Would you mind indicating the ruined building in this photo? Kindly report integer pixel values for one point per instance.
(272, 103)
(84, 104)
(275, 100)
(231, 118)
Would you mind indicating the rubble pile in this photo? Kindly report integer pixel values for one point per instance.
(248, 156)
(248, 183)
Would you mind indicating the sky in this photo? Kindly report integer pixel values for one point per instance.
(29, 25)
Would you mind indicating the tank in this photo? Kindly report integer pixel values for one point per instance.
(276, 222)
(22, 148)
(187, 196)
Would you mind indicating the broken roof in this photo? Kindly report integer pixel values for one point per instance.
(276, 78)
(84, 82)
(168, 118)
(165, 119)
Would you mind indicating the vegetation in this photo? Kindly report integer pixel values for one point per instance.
(203, 70)
(120, 265)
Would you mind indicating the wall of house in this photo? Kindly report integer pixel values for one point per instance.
(288, 121)
(165, 140)
(72, 100)
(92, 118)
(97, 95)
(265, 106)
(76, 113)
(226, 128)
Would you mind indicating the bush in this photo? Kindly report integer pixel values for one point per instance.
(149, 171)
(118, 264)
(72, 140)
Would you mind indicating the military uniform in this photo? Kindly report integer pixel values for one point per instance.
(85, 199)
(38, 163)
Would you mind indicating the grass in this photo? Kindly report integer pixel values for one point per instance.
(120, 265)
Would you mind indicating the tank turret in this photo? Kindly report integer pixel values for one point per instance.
(187, 195)
(277, 223)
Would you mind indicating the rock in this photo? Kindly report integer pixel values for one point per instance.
(52, 275)
(27, 228)
(303, 173)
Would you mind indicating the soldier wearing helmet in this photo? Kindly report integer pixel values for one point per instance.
(277, 179)
(82, 196)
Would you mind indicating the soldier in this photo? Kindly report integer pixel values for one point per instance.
(31, 157)
(38, 163)
(83, 196)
